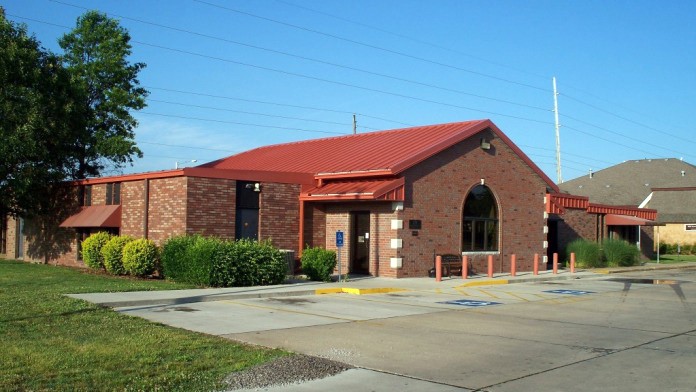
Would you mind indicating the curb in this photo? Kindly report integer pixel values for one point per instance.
(355, 291)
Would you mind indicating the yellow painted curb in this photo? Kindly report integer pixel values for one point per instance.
(601, 271)
(484, 283)
(355, 291)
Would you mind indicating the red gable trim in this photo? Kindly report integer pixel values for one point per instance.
(644, 213)
(556, 203)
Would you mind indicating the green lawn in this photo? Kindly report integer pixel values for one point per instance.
(52, 342)
(671, 259)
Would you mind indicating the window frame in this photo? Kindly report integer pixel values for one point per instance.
(475, 226)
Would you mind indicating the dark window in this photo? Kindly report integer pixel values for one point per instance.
(85, 195)
(3, 233)
(113, 193)
(247, 210)
(480, 226)
(81, 235)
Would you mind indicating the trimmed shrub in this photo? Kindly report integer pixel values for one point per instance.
(587, 253)
(140, 257)
(619, 253)
(189, 259)
(91, 249)
(174, 257)
(112, 253)
(318, 263)
(247, 263)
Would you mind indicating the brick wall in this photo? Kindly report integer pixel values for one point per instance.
(167, 212)
(435, 193)
(279, 215)
(576, 224)
(133, 208)
(211, 207)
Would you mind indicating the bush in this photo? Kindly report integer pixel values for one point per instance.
(140, 257)
(247, 263)
(619, 253)
(318, 263)
(112, 254)
(91, 249)
(189, 259)
(587, 253)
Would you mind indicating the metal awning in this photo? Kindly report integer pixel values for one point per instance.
(381, 189)
(626, 220)
(95, 216)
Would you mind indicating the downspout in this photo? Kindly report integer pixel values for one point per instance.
(146, 208)
(301, 234)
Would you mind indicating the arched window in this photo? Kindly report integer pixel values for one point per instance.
(480, 221)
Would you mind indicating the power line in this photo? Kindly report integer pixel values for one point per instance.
(200, 94)
(254, 113)
(189, 147)
(367, 45)
(241, 123)
(409, 38)
(324, 62)
(336, 82)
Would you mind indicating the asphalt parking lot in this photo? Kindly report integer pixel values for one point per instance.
(614, 332)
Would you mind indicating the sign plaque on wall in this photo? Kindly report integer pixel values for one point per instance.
(690, 227)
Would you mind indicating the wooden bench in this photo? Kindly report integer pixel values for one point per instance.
(451, 265)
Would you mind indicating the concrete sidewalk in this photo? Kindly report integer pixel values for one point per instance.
(355, 285)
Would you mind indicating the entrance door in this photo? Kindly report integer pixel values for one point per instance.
(360, 243)
(247, 226)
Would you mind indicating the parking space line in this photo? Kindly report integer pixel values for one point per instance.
(517, 296)
(488, 294)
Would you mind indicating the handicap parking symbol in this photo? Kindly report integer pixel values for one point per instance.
(569, 292)
(470, 303)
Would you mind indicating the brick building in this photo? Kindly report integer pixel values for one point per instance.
(399, 197)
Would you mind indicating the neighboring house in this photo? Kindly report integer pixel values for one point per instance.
(677, 211)
(664, 185)
(399, 197)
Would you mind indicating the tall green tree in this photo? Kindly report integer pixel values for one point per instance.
(37, 121)
(96, 54)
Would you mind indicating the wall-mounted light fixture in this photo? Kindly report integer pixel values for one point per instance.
(485, 145)
(255, 186)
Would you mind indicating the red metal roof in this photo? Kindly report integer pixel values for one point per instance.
(624, 220)
(388, 189)
(384, 153)
(95, 216)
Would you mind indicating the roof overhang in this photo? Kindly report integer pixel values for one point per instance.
(95, 216)
(369, 189)
(625, 220)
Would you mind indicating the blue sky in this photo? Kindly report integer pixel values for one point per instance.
(228, 76)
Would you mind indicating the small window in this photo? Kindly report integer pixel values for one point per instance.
(113, 193)
(85, 195)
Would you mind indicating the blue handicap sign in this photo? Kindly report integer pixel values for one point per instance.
(339, 239)
(569, 292)
(470, 303)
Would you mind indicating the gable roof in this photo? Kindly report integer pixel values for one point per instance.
(382, 153)
(676, 205)
(629, 183)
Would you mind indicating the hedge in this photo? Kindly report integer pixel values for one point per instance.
(112, 254)
(207, 261)
(618, 253)
(91, 249)
(318, 263)
(140, 257)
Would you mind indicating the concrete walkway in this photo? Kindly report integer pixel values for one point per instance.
(355, 285)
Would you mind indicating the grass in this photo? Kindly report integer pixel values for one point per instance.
(52, 342)
(673, 259)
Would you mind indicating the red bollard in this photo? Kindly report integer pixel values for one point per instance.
(438, 268)
(465, 267)
(513, 265)
(555, 263)
(572, 263)
(536, 264)
(490, 266)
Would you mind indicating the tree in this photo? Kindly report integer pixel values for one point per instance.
(96, 54)
(37, 114)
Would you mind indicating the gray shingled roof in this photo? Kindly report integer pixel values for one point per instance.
(629, 183)
(674, 206)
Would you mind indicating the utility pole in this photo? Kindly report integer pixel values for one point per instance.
(558, 134)
(355, 125)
